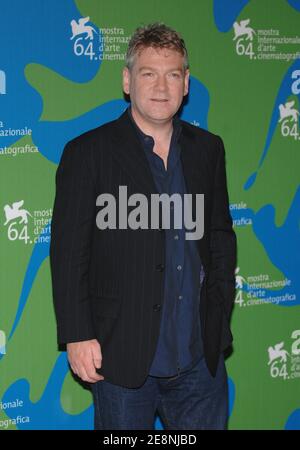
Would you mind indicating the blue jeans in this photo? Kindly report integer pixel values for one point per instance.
(192, 400)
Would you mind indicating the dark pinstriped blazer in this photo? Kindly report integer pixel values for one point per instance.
(107, 283)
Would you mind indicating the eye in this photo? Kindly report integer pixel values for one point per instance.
(175, 75)
(147, 74)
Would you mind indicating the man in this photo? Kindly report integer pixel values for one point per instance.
(145, 311)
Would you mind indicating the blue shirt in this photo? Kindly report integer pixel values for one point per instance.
(179, 344)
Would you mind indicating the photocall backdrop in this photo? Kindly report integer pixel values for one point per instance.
(60, 75)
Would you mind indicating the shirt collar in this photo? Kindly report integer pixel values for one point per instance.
(147, 139)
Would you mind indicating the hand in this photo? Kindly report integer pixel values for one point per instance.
(84, 358)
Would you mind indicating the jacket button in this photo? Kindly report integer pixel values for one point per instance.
(157, 307)
(160, 267)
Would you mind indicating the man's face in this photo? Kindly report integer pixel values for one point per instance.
(156, 84)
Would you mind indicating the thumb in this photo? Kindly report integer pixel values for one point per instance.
(97, 357)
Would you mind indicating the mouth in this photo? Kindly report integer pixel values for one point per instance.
(159, 100)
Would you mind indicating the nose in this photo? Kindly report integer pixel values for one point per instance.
(161, 83)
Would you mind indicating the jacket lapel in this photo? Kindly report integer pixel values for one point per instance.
(192, 165)
(129, 153)
(195, 172)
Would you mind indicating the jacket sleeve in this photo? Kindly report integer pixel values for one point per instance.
(71, 239)
(223, 238)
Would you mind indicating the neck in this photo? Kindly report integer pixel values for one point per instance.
(160, 131)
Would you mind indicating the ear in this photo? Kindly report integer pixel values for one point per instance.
(126, 80)
(186, 82)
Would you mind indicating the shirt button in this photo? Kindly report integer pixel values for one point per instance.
(160, 267)
(179, 267)
(180, 297)
(157, 307)
(176, 237)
